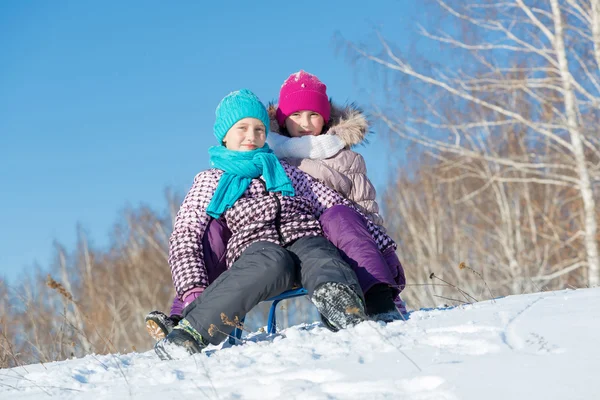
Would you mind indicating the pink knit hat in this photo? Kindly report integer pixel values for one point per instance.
(302, 91)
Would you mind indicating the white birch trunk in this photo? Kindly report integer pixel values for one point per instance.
(585, 186)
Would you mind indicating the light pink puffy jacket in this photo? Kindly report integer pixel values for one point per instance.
(346, 172)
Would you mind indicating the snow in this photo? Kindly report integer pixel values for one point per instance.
(537, 346)
(297, 76)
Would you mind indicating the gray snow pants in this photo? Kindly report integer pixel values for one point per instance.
(265, 270)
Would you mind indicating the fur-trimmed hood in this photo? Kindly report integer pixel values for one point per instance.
(348, 122)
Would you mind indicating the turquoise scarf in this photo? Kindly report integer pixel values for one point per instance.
(240, 168)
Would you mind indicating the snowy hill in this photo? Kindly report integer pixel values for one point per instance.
(540, 346)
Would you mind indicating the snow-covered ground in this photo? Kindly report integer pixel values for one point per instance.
(540, 346)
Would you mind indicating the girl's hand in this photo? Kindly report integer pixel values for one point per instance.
(191, 295)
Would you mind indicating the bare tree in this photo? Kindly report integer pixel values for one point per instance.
(527, 66)
(513, 233)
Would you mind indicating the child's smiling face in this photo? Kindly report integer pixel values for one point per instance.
(246, 135)
(305, 122)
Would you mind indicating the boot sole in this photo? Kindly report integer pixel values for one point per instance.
(347, 312)
(154, 330)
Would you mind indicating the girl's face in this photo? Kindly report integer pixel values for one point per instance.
(245, 135)
(304, 123)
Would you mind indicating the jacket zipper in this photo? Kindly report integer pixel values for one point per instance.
(278, 213)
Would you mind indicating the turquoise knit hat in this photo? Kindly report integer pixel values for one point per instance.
(235, 106)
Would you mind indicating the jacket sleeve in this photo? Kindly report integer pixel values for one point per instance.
(323, 197)
(363, 191)
(185, 244)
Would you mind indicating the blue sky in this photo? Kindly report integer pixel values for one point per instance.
(105, 104)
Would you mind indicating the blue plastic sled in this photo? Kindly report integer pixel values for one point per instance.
(272, 322)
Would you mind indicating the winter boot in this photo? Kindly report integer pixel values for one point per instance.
(159, 325)
(183, 341)
(339, 305)
(380, 304)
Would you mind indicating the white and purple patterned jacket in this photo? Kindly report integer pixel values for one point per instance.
(257, 215)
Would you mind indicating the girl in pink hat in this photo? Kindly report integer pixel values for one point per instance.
(316, 136)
